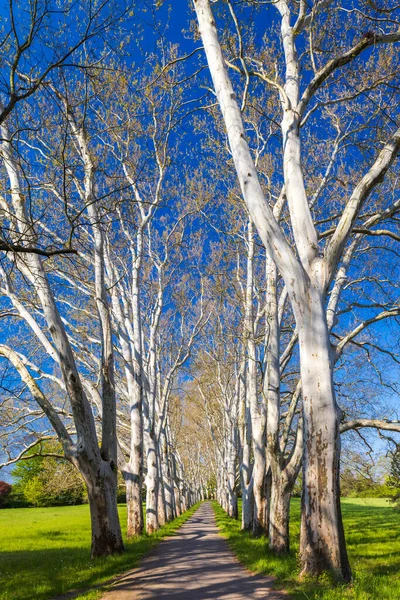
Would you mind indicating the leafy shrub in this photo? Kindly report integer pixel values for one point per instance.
(44, 480)
(394, 478)
(5, 493)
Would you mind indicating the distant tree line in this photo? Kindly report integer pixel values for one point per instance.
(46, 479)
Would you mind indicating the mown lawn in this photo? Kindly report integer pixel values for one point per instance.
(373, 540)
(45, 552)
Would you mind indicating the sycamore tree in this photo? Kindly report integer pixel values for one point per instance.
(253, 315)
(97, 462)
(98, 339)
(310, 60)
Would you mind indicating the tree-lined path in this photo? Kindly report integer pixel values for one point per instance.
(199, 292)
(196, 564)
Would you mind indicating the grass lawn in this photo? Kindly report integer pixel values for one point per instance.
(372, 530)
(45, 552)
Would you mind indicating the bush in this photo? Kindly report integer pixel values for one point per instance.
(5, 493)
(47, 480)
(360, 485)
(394, 478)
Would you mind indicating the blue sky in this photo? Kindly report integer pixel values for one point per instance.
(180, 13)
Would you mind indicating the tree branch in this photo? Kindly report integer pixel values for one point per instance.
(11, 247)
(374, 423)
(340, 61)
(40, 398)
(383, 315)
(361, 192)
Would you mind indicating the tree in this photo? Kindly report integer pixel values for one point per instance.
(34, 492)
(95, 172)
(36, 45)
(45, 478)
(364, 476)
(394, 478)
(97, 463)
(169, 274)
(5, 491)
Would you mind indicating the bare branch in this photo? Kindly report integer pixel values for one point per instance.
(374, 423)
(11, 247)
(340, 61)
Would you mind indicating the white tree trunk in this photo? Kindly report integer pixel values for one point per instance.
(322, 538)
(151, 482)
(135, 519)
(257, 409)
(246, 479)
(166, 476)
(283, 478)
(231, 475)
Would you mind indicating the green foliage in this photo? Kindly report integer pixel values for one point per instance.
(372, 531)
(393, 481)
(5, 492)
(34, 492)
(45, 552)
(357, 485)
(47, 480)
(364, 478)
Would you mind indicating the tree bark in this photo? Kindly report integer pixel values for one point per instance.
(279, 515)
(136, 408)
(102, 494)
(322, 543)
(232, 496)
(166, 476)
(283, 478)
(151, 484)
(246, 479)
(133, 500)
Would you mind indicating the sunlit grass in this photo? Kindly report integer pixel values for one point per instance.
(373, 540)
(45, 552)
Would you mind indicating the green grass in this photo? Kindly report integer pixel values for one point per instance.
(372, 530)
(44, 552)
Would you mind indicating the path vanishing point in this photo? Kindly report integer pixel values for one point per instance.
(194, 564)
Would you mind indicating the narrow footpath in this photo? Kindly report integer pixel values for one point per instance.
(195, 564)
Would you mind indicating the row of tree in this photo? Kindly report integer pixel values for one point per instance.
(315, 81)
(97, 339)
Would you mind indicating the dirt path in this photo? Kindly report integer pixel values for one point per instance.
(196, 564)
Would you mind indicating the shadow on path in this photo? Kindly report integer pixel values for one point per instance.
(196, 564)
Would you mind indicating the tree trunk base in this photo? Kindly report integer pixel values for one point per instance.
(106, 530)
(134, 508)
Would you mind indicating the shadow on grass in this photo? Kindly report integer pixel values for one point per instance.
(66, 572)
(373, 541)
